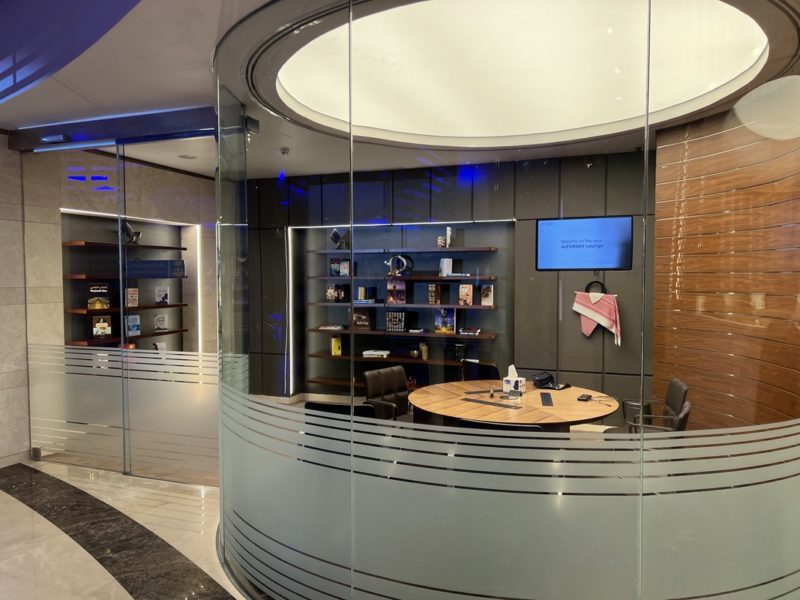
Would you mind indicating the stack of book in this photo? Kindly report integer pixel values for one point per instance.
(375, 354)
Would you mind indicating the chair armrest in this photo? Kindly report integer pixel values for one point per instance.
(383, 409)
(635, 407)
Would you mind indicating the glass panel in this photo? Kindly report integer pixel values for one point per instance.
(71, 212)
(725, 319)
(168, 308)
(502, 227)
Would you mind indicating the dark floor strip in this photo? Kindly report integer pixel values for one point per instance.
(144, 564)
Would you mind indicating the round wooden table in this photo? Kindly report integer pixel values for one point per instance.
(471, 400)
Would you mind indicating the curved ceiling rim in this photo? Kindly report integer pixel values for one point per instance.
(776, 29)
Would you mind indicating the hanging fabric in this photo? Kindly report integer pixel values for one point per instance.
(598, 308)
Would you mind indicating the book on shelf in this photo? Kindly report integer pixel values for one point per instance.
(344, 268)
(367, 301)
(101, 326)
(361, 319)
(133, 325)
(395, 291)
(469, 331)
(465, 294)
(416, 331)
(445, 267)
(161, 294)
(99, 298)
(161, 322)
(395, 320)
(131, 297)
(336, 345)
(444, 321)
(331, 327)
(434, 293)
(367, 294)
(335, 267)
(487, 295)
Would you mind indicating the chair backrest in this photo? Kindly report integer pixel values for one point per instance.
(683, 416)
(497, 426)
(389, 385)
(342, 408)
(676, 396)
(473, 371)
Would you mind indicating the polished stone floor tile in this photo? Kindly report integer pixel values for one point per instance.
(143, 563)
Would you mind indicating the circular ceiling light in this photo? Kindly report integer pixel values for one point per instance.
(503, 73)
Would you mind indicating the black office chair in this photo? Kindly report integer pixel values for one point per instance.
(372, 410)
(472, 371)
(390, 386)
(467, 423)
(674, 411)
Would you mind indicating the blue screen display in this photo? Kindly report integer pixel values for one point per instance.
(602, 243)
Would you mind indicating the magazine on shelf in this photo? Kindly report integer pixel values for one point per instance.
(101, 326)
(361, 319)
(99, 298)
(133, 325)
(465, 294)
(487, 295)
(162, 294)
(131, 297)
(161, 322)
(444, 320)
(395, 291)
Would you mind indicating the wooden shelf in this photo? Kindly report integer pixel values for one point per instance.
(440, 362)
(406, 250)
(335, 381)
(107, 277)
(116, 340)
(424, 334)
(88, 244)
(418, 277)
(429, 306)
(100, 311)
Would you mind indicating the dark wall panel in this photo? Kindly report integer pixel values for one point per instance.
(274, 283)
(583, 186)
(451, 193)
(305, 201)
(493, 191)
(335, 199)
(537, 189)
(274, 202)
(624, 186)
(412, 196)
(372, 197)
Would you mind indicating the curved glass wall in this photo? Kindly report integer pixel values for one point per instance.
(508, 299)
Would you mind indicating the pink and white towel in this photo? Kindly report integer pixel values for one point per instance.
(598, 309)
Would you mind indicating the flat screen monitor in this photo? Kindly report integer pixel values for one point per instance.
(584, 244)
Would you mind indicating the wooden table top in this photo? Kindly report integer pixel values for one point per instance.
(448, 399)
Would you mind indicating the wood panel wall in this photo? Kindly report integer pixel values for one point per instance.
(727, 272)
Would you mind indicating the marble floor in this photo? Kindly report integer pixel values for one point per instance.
(63, 556)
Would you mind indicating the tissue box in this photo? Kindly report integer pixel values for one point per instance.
(513, 384)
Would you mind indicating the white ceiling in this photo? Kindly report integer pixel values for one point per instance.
(177, 154)
(157, 57)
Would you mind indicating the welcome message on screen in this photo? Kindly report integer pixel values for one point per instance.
(602, 243)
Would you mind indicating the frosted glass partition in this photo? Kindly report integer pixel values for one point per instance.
(173, 409)
(76, 404)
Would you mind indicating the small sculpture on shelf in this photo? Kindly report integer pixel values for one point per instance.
(128, 234)
(399, 265)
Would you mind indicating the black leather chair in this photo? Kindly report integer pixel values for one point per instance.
(674, 411)
(472, 371)
(388, 385)
(372, 410)
(497, 426)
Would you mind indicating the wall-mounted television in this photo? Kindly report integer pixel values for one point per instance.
(584, 244)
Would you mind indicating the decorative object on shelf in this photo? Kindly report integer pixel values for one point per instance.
(423, 350)
(395, 291)
(461, 351)
(160, 322)
(101, 326)
(375, 354)
(399, 265)
(465, 294)
(448, 239)
(99, 298)
(395, 320)
(336, 345)
(162, 294)
(340, 240)
(469, 331)
(366, 295)
(344, 268)
(156, 269)
(361, 319)
(444, 321)
(414, 353)
(129, 236)
(335, 293)
(131, 297)
(331, 327)
(133, 325)
(445, 267)
(441, 242)
(487, 295)
(434, 293)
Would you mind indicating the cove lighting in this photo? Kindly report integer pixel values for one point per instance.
(501, 73)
